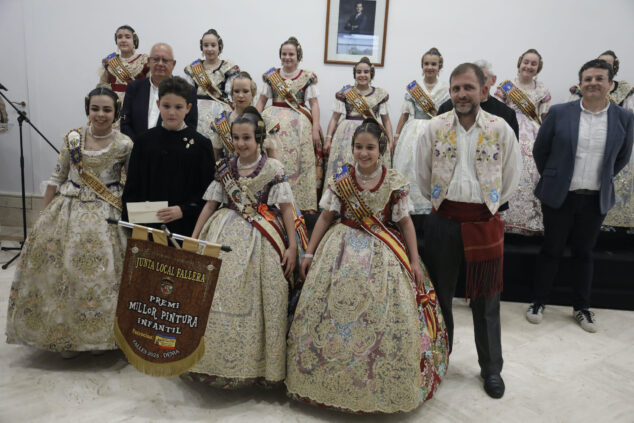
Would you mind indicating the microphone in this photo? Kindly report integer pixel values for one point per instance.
(20, 103)
(2, 87)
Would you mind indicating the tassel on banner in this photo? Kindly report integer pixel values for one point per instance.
(171, 369)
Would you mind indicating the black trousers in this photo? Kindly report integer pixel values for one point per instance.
(577, 221)
(419, 225)
(443, 256)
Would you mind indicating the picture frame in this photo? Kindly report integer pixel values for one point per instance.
(354, 29)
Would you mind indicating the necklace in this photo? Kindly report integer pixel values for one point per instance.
(364, 179)
(99, 137)
(249, 165)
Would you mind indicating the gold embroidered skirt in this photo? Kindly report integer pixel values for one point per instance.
(246, 332)
(66, 285)
(296, 153)
(361, 340)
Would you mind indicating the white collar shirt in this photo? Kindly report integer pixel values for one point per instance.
(153, 109)
(464, 185)
(593, 132)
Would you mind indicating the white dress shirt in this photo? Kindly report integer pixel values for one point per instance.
(464, 185)
(153, 109)
(593, 131)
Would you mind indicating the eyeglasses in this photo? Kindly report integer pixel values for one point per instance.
(161, 60)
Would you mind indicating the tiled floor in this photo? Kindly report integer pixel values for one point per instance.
(554, 372)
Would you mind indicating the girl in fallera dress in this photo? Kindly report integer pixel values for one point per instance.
(245, 339)
(212, 78)
(120, 68)
(524, 215)
(300, 139)
(337, 142)
(243, 90)
(367, 335)
(64, 293)
(171, 162)
(413, 121)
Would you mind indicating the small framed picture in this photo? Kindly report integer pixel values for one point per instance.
(355, 29)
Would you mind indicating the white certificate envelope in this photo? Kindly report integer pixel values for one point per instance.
(145, 211)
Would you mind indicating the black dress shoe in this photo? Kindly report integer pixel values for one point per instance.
(494, 386)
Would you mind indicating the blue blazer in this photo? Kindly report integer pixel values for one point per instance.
(556, 145)
(135, 109)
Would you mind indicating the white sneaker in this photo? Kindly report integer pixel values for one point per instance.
(535, 313)
(586, 320)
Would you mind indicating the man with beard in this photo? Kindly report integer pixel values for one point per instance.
(489, 103)
(468, 163)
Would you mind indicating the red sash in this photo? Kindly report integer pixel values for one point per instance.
(258, 215)
(348, 192)
(483, 241)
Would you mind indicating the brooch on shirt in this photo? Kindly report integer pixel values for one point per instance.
(188, 143)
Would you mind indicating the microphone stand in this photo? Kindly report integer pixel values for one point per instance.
(21, 118)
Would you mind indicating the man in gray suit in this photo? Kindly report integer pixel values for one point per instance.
(579, 149)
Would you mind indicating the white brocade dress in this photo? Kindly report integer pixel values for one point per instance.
(65, 289)
(405, 152)
(341, 146)
(245, 339)
(364, 338)
(208, 108)
(296, 150)
(524, 215)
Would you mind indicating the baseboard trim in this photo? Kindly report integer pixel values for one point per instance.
(11, 209)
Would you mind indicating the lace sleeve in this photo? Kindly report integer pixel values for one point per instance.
(215, 192)
(311, 92)
(408, 105)
(338, 106)
(281, 193)
(330, 201)
(384, 109)
(402, 205)
(267, 91)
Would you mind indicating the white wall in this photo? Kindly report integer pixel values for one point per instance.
(51, 50)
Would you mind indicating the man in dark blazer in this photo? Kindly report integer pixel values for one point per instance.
(140, 110)
(357, 23)
(579, 149)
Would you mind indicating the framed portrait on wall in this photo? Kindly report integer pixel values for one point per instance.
(356, 28)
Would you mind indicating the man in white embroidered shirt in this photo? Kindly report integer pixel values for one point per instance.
(579, 149)
(468, 163)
